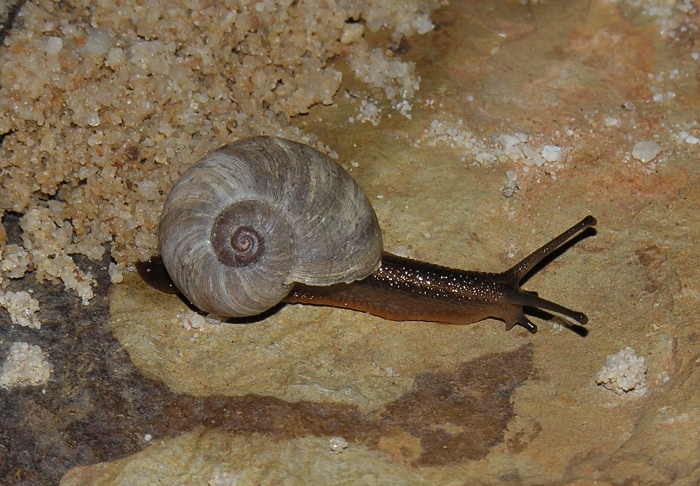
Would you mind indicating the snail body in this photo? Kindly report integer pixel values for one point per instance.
(266, 220)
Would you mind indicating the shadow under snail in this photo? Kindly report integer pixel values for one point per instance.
(266, 220)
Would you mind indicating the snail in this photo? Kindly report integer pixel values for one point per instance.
(266, 220)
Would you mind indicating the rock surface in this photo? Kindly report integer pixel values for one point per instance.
(138, 398)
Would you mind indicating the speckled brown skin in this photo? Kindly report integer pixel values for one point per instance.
(409, 290)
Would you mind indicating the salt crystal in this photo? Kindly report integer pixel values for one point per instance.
(351, 33)
(53, 45)
(15, 262)
(26, 365)
(219, 478)
(369, 110)
(508, 191)
(509, 141)
(97, 43)
(692, 139)
(551, 153)
(646, 151)
(93, 119)
(423, 24)
(523, 137)
(624, 372)
(84, 290)
(529, 152)
(337, 444)
(191, 320)
(115, 274)
(401, 251)
(514, 152)
(22, 308)
(148, 188)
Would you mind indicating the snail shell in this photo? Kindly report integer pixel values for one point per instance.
(249, 220)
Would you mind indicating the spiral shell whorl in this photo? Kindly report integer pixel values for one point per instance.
(250, 219)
